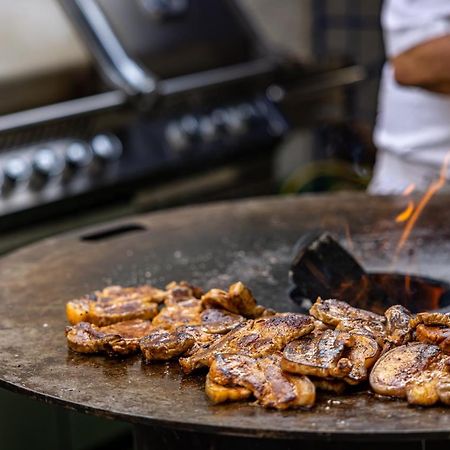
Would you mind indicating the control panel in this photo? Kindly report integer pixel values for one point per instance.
(51, 171)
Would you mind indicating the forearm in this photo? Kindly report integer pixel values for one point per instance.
(426, 65)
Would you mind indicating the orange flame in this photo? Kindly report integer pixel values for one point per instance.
(405, 214)
(435, 187)
(409, 189)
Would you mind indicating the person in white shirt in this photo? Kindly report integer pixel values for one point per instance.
(412, 132)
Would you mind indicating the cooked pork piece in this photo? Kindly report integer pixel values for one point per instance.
(431, 318)
(162, 345)
(185, 312)
(332, 354)
(182, 330)
(398, 328)
(344, 317)
(238, 300)
(221, 394)
(120, 338)
(176, 292)
(262, 377)
(434, 335)
(417, 371)
(254, 338)
(323, 384)
(219, 321)
(115, 304)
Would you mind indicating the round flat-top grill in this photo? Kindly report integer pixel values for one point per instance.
(212, 246)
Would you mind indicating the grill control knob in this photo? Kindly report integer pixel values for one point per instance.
(106, 147)
(247, 112)
(176, 137)
(189, 125)
(16, 170)
(47, 163)
(207, 129)
(78, 155)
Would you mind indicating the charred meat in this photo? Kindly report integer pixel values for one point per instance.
(185, 312)
(434, 335)
(332, 354)
(118, 339)
(415, 371)
(398, 327)
(344, 317)
(115, 304)
(254, 338)
(176, 292)
(262, 377)
(238, 300)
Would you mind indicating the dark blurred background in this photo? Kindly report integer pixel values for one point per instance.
(80, 143)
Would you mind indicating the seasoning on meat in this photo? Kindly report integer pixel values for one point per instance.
(115, 304)
(121, 338)
(254, 338)
(415, 371)
(263, 377)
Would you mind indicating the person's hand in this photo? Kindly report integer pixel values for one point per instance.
(426, 66)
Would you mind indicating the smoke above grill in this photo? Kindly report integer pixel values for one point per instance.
(323, 268)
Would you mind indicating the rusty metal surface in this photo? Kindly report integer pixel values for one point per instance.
(213, 246)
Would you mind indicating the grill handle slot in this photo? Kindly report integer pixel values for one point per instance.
(112, 232)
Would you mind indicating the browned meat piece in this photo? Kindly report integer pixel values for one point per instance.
(162, 345)
(115, 304)
(238, 300)
(176, 292)
(185, 312)
(183, 330)
(118, 339)
(434, 335)
(332, 354)
(323, 384)
(219, 321)
(255, 338)
(398, 328)
(221, 394)
(263, 377)
(344, 317)
(417, 371)
(431, 318)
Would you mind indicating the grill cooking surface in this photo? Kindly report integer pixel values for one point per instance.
(211, 246)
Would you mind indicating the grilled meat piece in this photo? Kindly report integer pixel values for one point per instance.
(431, 318)
(238, 300)
(185, 312)
(332, 354)
(221, 394)
(398, 328)
(254, 338)
(176, 292)
(219, 321)
(263, 377)
(434, 335)
(332, 385)
(183, 329)
(115, 304)
(344, 317)
(162, 345)
(417, 371)
(120, 338)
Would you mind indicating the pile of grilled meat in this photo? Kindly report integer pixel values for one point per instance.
(279, 359)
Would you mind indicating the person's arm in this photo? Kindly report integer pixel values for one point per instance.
(427, 66)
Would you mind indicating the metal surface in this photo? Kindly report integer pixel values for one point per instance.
(211, 245)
